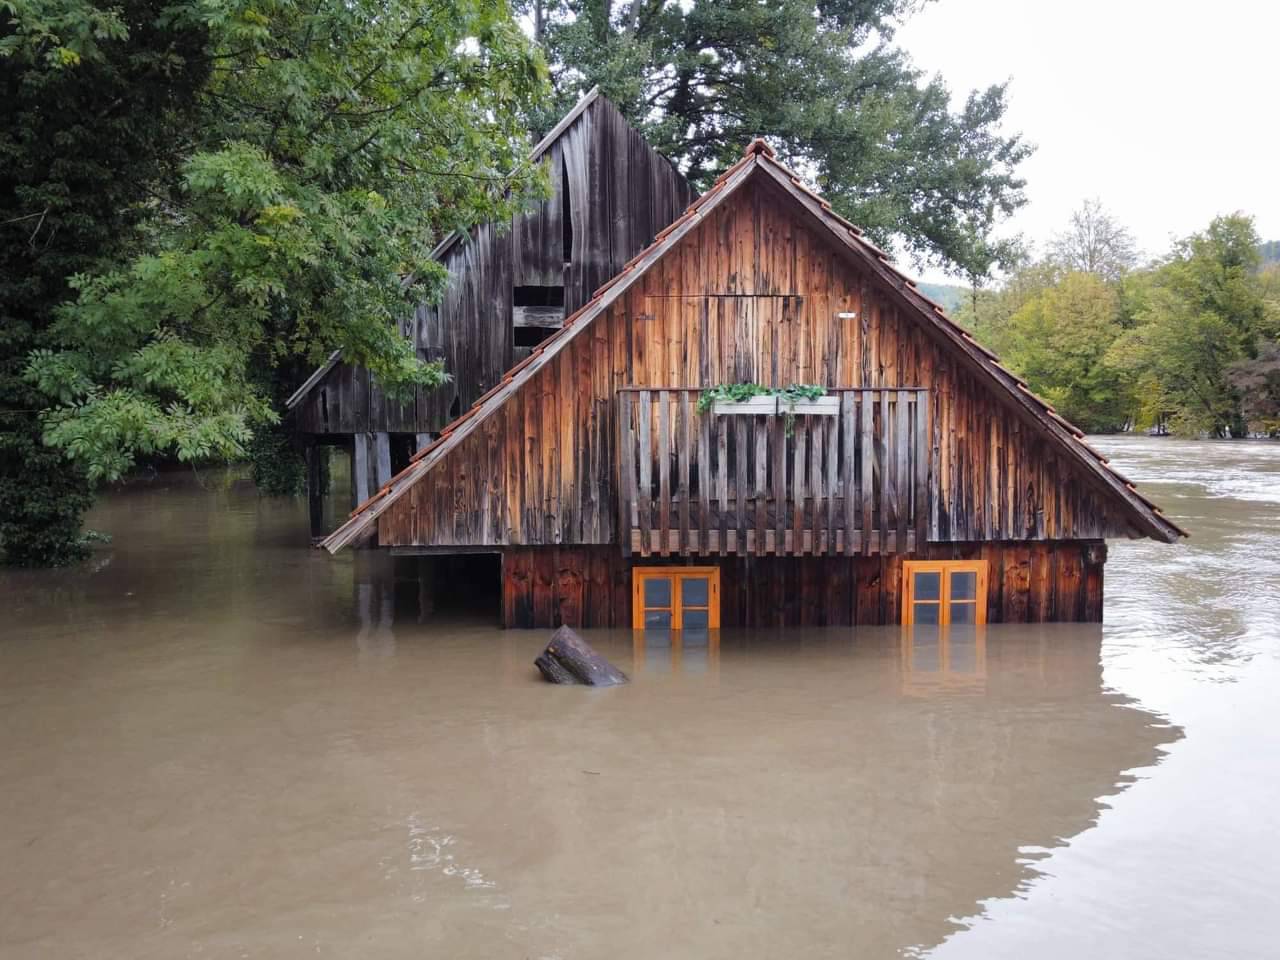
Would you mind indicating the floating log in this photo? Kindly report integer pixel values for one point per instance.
(570, 659)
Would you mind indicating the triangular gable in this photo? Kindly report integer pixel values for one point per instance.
(451, 240)
(759, 161)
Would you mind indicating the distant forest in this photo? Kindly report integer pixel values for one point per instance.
(1188, 343)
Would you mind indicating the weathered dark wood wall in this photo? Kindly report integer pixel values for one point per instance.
(751, 294)
(590, 586)
(620, 191)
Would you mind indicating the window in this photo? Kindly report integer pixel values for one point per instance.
(675, 598)
(944, 592)
(537, 313)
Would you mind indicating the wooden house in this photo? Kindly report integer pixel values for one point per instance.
(510, 287)
(929, 485)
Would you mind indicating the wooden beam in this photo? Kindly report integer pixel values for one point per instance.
(315, 493)
(545, 317)
(382, 449)
(359, 469)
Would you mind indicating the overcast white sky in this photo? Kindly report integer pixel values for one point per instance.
(1166, 111)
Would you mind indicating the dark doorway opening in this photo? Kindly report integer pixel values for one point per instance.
(453, 586)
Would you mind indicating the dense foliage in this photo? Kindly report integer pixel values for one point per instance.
(87, 123)
(1187, 344)
(823, 83)
(195, 192)
(332, 137)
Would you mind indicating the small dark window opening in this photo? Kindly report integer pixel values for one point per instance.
(537, 297)
(455, 408)
(527, 331)
(566, 215)
(403, 446)
(531, 336)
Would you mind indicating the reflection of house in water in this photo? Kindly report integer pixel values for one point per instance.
(951, 659)
(865, 786)
(695, 652)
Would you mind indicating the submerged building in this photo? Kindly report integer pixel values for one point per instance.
(926, 484)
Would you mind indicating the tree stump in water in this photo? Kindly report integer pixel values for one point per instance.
(569, 659)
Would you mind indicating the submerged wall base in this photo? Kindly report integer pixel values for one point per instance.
(590, 586)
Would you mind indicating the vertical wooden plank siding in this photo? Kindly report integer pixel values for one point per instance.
(590, 585)
(646, 458)
(664, 472)
(628, 495)
(800, 489)
(703, 542)
(851, 483)
(885, 462)
(593, 162)
(866, 492)
(953, 464)
(684, 456)
(902, 475)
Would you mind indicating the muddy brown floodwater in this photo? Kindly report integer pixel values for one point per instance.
(218, 743)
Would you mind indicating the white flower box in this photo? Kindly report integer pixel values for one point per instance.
(766, 406)
(819, 407)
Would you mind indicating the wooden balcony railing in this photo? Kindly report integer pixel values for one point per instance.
(850, 483)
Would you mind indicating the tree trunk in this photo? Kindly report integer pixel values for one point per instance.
(569, 659)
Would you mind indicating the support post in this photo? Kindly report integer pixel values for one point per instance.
(382, 449)
(359, 469)
(315, 493)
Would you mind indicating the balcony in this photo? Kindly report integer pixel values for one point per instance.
(850, 481)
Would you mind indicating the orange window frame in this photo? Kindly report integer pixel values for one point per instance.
(945, 570)
(677, 576)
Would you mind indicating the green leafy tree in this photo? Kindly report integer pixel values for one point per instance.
(200, 196)
(335, 139)
(822, 82)
(87, 121)
(987, 312)
(1200, 313)
(1060, 339)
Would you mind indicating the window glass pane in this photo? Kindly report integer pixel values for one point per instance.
(657, 592)
(695, 619)
(657, 619)
(693, 591)
(964, 585)
(926, 612)
(927, 586)
(963, 612)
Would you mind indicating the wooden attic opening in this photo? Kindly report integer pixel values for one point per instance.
(536, 313)
(539, 311)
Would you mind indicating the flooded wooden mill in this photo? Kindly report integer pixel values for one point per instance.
(219, 743)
